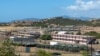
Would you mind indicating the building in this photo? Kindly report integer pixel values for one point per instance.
(24, 39)
(73, 39)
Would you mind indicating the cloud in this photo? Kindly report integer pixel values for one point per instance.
(83, 5)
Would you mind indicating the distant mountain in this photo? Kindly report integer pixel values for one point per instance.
(82, 17)
(28, 19)
(34, 19)
(66, 16)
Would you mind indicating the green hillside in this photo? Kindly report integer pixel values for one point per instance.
(55, 21)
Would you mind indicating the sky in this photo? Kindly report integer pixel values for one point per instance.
(20, 9)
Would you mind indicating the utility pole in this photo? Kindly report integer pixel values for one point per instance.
(91, 49)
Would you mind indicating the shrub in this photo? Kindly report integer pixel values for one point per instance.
(46, 37)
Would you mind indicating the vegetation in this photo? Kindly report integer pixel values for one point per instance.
(46, 37)
(67, 21)
(4, 24)
(62, 21)
(6, 49)
(93, 33)
(43, 53)
(96, 22)
(84, 53)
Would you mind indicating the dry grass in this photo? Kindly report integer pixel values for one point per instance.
(21, 50)
(33, 50)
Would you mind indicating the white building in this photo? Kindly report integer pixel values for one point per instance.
(73, 39)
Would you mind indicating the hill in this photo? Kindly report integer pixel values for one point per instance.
(96, 22)
(54, 21)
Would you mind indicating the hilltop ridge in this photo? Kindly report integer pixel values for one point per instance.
(54, 21)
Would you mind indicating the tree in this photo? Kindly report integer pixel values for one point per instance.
(46, 37)
(6, 49)
(43, 53)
